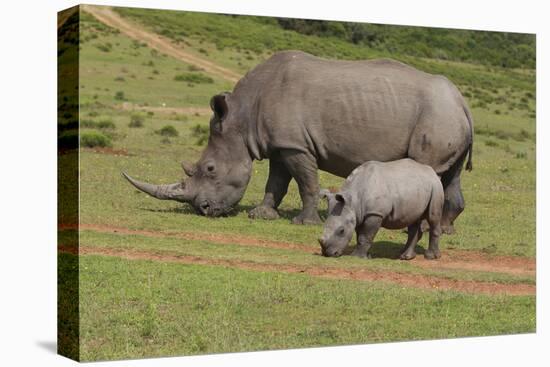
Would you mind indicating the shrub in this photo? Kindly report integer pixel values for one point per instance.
(524, 134)
(194, 78)
(105, 47)
(94, 139)
(491, 143)
(106, 124)
(120, 79)
(119, 96)
(194, 68)
(136, 120)
(87, 123)
(201, 133)
(168, 130)
(521, 155)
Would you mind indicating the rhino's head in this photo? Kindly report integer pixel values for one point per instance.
(340, 224)
(218, 180)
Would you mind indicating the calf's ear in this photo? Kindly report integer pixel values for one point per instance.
(343, 197)
(325, 194)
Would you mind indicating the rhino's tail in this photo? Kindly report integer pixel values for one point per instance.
(470, 148)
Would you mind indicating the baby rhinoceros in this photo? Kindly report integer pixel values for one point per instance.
(392, 195)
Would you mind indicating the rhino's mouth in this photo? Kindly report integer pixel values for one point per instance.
(211, 209)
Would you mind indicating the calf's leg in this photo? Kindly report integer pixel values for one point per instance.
(415, 234)
(365, 235)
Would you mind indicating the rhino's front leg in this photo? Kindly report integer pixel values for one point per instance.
(303, 168)
(365, 236)
(275, 190)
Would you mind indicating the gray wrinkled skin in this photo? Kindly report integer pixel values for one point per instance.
(392, 195)
(305, 113)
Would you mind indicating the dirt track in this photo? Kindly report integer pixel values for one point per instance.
(452, 259)
(408, 280)
(107, 16)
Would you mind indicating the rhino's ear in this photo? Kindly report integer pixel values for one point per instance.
(218, 104)
(343, 197)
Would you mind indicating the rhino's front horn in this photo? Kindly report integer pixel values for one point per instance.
(175, 191)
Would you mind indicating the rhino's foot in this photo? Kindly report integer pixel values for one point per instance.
(407, 255)
(361, 253)
(263, 212)
(307, 219)
(432, 255)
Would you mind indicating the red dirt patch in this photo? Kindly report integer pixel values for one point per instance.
(223, 239)
(451, 259)
(408, 280)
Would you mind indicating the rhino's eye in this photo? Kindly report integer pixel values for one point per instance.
(340, 231)
(210, 168)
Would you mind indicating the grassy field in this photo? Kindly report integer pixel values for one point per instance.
(142, 111)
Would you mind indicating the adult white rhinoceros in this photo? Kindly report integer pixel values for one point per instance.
(305, 113)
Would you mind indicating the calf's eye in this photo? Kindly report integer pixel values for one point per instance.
(341, 231)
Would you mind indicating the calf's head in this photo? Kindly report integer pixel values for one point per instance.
(340, 224)
(219, 179)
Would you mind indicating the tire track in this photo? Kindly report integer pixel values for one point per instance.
(107, 16)
(408, 280)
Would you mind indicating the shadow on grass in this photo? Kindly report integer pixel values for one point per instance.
(188, 209)
(385, 250)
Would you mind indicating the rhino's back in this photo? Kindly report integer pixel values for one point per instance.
(344, 112)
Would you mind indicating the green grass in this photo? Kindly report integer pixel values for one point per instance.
(140, 308)
(134, 309)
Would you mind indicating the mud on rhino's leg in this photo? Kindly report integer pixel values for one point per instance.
(303, 168)
(414, 235)
(275, 190)
(365, 235)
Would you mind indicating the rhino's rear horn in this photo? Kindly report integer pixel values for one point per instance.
(188, 168)
(175, 191)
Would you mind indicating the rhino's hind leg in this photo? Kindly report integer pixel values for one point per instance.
(454, 205)
(275, 190)
(414, 235)
(454, 200)
(303, 168)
